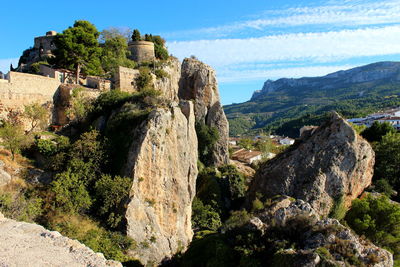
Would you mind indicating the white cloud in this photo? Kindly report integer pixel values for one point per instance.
(5, 64)
(335, 14)
(314, 47)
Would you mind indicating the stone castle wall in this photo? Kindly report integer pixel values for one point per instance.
(125, 79)
(141, 51)
(21, 89)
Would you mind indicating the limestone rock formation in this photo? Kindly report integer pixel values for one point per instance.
(26, 244)
(332, 162)
(198, 82)
(163, 164)
(169, 85)
(338, 241)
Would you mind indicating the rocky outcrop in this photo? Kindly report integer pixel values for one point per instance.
(332, 162)
(26, 244)
(323, 242)
(376, 72)
(163, 164)
(198, 82)
(169, 85)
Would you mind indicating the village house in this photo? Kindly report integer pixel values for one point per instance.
(247, 156)
(392, 116)
(286, 141)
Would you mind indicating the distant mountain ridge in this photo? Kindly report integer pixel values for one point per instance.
(354, 92)
(387, 70)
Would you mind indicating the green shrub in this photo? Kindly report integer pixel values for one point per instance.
(113, 245)
(384, 187)
(237, 219)
(46, 147)
(110, 100)
(161, 52)
(160, 73)
(377, 131)
(207, 137)
(387, 154)
(237, 181)
(378, 219)
(204, 216)
(212, 250)
(70, 192)
(338, 210)
(111, 195)
(144, 80)
(21, 206)
(257, 205)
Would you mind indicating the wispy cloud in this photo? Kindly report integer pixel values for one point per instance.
(296, 41)
(310, 48)
(336, 14)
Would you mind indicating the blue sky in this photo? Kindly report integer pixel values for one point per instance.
(247, 42)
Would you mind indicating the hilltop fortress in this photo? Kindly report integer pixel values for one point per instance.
(18, 88)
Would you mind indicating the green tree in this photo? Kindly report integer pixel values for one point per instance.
(236, 180)
(204, 216)
(136, 35)
(115, 54)
(78, 49)
(143, 81)
(377, 131)
(378, 219)
(207, 137)
(246, 143)
(13, 138)
(111, 194)
(36, 114)
(113, 32)
(90, 148)
(80, 105)
(71, 194)
(387, 154)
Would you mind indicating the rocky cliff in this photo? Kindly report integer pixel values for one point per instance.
(198, 82)
(319, 242)
(26, 244)
(332, 162)
(163, 164)
(369, 73)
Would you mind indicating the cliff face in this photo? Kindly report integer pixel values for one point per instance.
(332, 162)
(26, 244)
(163, 164)
(369, 73)
(198, 82)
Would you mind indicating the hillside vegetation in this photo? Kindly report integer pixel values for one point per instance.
(285, 105)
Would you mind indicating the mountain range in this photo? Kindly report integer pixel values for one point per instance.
(284, 105)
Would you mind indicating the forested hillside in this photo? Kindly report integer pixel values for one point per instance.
(283, 106)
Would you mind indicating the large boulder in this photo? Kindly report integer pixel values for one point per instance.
(319, 242)
(198, 82)
(163, 164)
(329, 163)
(27, 244)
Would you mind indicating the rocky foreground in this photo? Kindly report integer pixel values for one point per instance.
(27, 244)
(320, 242)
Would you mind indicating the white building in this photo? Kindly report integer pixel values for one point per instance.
(286, 141)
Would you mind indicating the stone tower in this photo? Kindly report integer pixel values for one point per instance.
(141, 51)
(45, 44)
